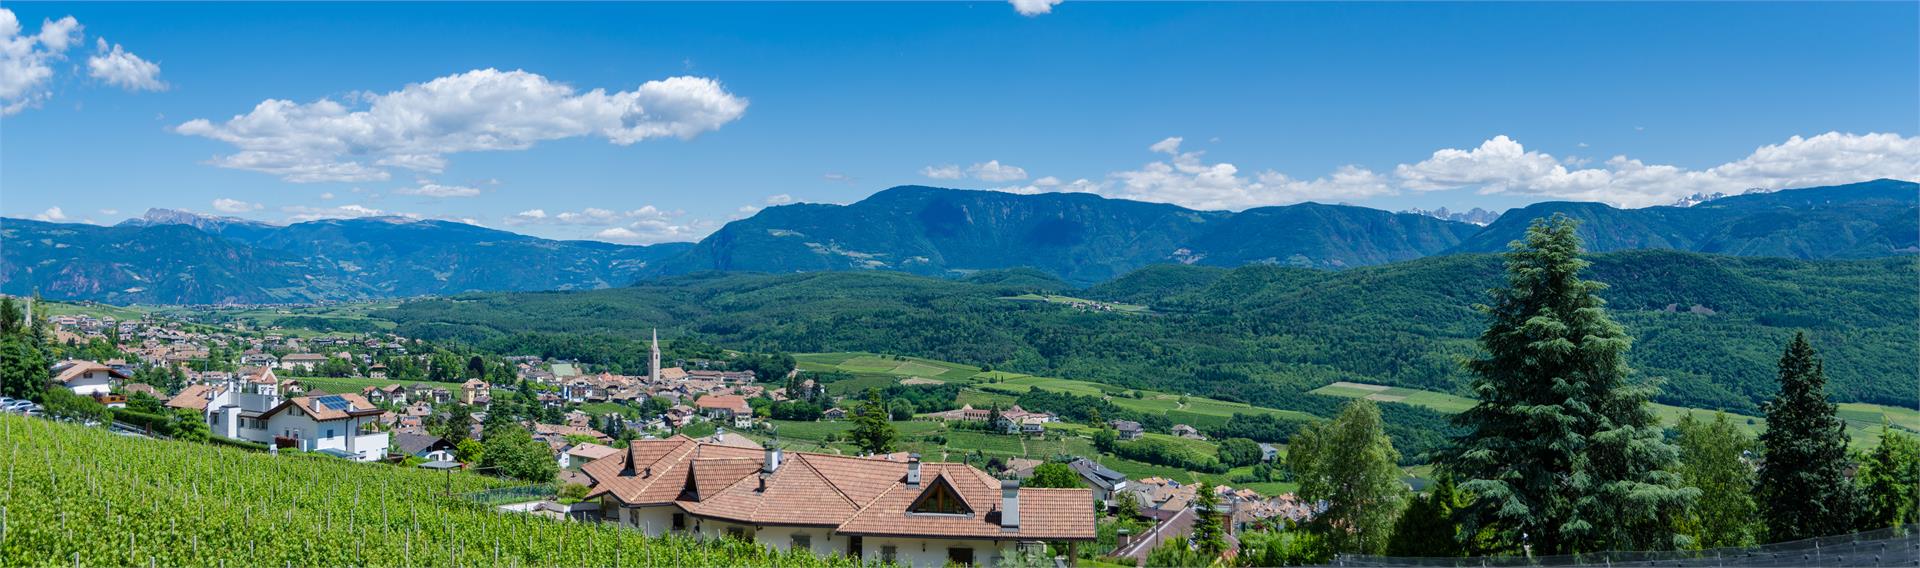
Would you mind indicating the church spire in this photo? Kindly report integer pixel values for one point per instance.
(653, 370)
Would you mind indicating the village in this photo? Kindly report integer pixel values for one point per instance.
(693, 448)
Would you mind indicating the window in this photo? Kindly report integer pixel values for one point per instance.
(679, 521)
(940, 498)
(888, 553)
(329, 433)
(960, 555)
(736, 533)
(803, 542)
(216, 419)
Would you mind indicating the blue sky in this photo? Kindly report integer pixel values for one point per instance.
(1223, 106)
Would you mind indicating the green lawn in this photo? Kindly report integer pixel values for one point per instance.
(1863, 420)
(605, 408)
(346, 385)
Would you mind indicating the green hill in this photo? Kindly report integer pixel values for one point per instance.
(1709, 327)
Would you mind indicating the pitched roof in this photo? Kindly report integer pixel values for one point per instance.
(855, 495)
(591, 451)
(194, 397)
(357, 406)
(76, 369)
(414, 444)
(732, 402)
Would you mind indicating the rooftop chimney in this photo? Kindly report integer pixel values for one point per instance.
(913, 470)
(1010, 505)
(772, 462)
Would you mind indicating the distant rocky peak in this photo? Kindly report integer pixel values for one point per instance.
(1475, 216)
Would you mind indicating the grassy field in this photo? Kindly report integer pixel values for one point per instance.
(1069, 300)
(1863, 420)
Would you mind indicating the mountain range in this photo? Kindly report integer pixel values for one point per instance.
(171, 256)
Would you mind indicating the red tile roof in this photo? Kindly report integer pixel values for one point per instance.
(855, 495)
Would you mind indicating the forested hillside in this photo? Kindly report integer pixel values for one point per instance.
(1859, 220)
(1708, 327)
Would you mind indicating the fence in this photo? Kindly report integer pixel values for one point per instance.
(1885, 547)
(517, 494)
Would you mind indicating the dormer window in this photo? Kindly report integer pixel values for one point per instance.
(940, 498)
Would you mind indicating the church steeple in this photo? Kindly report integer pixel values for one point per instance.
(653, 370)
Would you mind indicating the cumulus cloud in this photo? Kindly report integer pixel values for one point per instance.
(1187, 179)
(1503, 165)
(418, 126)
(26, 61)
(1031, 8)
(994, 171)
(225, 205)
(771, 200)
(437, 190)
(948, 171)
(51, 215)
(117, 67)
(988, 171)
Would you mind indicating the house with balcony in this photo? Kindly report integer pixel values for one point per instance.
(346, 425)
(87, 378)
(871, 508)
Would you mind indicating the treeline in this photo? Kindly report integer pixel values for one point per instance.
(1260, 335)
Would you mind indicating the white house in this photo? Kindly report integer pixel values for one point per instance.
(255, 411)
(87, 378)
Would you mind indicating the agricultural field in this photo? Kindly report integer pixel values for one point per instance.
(1863, 420)
(1116, 307)
(85, 497)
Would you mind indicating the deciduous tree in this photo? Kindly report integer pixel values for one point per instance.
(1713, 459)
(1890, 482)
(1349, 464)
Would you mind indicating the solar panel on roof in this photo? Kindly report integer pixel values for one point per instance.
(336, 402)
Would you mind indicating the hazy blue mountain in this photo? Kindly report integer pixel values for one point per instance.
(178, 257)
(1861, 220)
(1078, 237)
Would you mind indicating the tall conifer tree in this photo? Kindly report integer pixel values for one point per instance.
(1562, 453)
(1804, 490)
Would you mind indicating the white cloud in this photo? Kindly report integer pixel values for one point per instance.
(109, 212)
(1031, 8)
(994, 171)
(1169, 145)
(1504, 166)
(418, 126)
(326, 195)
(26, 61)
(771, 200)
(122, 69)
(225, 205)
(301, 213)
(51, 215)
(1188, 180)
(948, 171)
(437, 190)
(988, 171)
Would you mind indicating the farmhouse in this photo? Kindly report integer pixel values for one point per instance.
(909, 512)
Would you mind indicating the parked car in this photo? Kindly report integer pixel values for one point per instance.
(18, 405)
